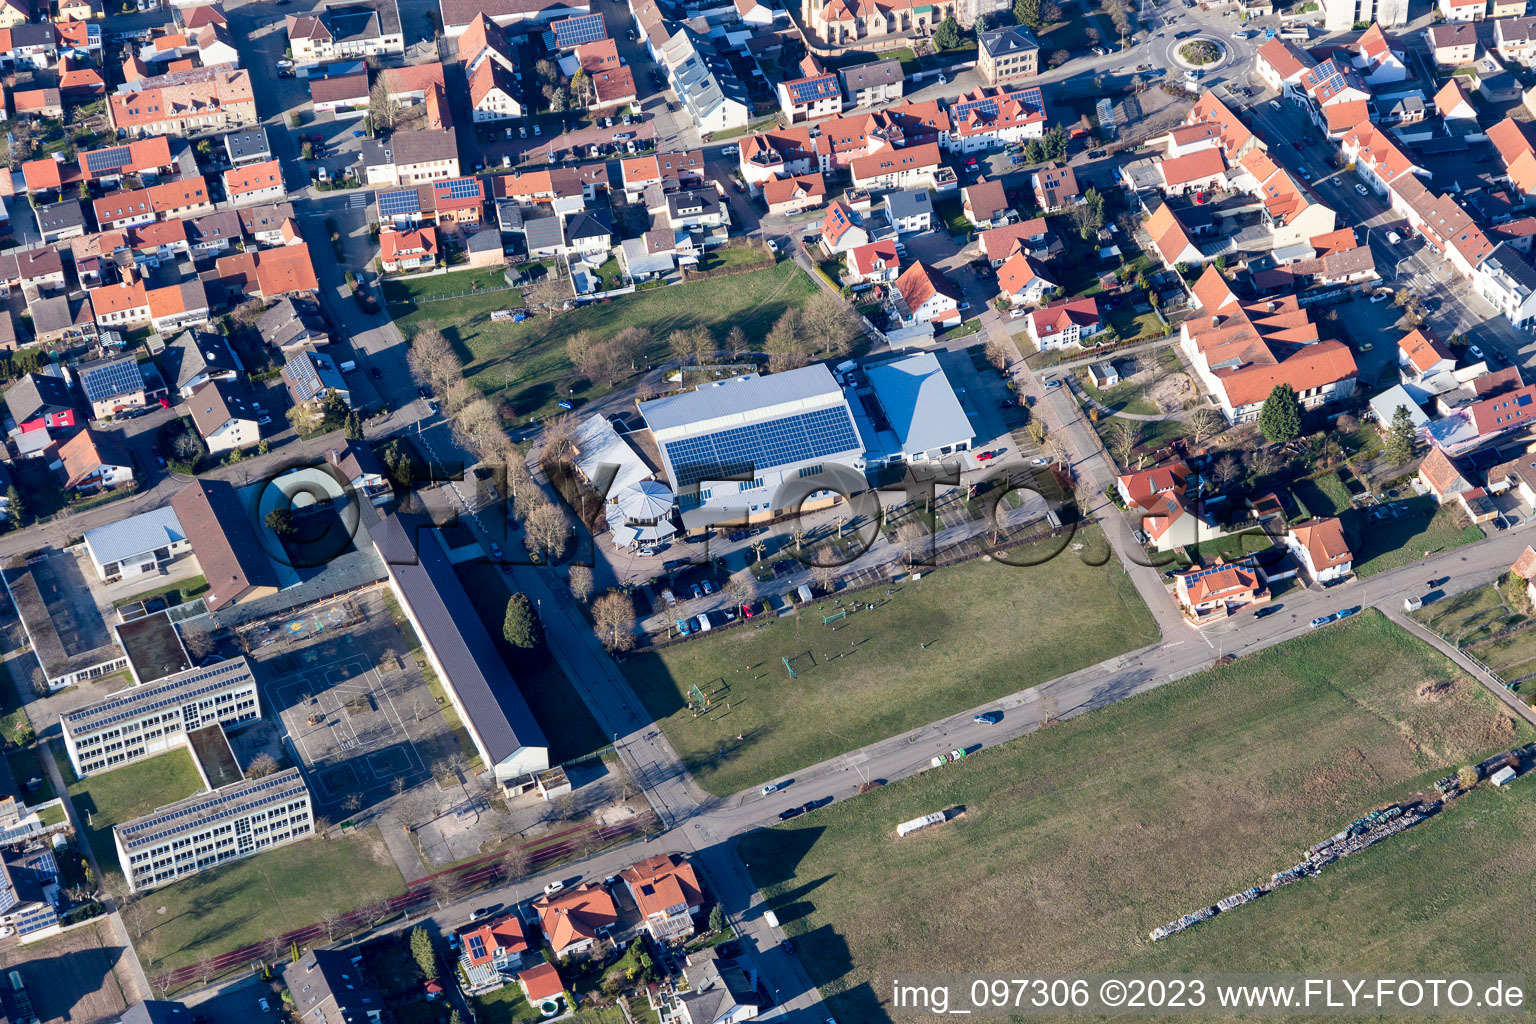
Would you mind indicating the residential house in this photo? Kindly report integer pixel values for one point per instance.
(1024, 281)
(842, 229)
(911, 167)
(542, 986)
(1375, 60)
(667, 894)
(184, 103)
(327, 987)
(28, 269)
(1452, 44)
(269, 273)
(1007, 54)
(985, 203)
(838, 23)
(193, 358)
(410, 85)
(1206, 595)
(776, 154)
(1196, 172)
(407, 250)
(1280, 63)
(225, 415)
(1170, 515)
(94, 461)
(874, 263)
(41, 401)
(1319, 546)
(361, 469)
(873, 84)
(816, 94)
(1454, 104)
(40, 103)
(177, 306)
(1243, 351)
(79, 81)
(1514, 40)
(291, 323)
(57, 222)
(794, 193)
(1506, 279)
(408, 158)
(715, 99)
(310, 376)
(248, 147)
(1444, 479)
(492, 950)
(1033, 235)
(992, 117)
(1055, 188)
(700, 209)
(575, 919)
(149, 158)
(1463, 10)
(345, 95)
(345, 30)
(125, 304)
(1064, 323)
(493, 93)
(1420, 355)
(909, 211)
(168, 200)
(483, 40)
(1172, 239)
(14, 13)
(256, 183)
(270, 225)
(922, 295)
(588, 234)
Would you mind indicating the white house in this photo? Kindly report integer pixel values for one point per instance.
(225, 415)
(1319, 546)
(1064, 324)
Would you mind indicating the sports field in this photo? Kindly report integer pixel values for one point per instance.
(957, 638)
(1077, 840)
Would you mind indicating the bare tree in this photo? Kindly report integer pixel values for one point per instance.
(548, 294)
(759, 547)
(330, 920)
(384, 111)
(557, 435)
(786, 347)
(199, 642)
(1205, 424)
(827, 325)
(826, 577)
(631, 344)
(433, 361)
(613, 619)
(997, 354)
(515, 862)
(261, 766)
(1227, 469)
(691, 347)
(1124, 436)
(1036, 430)
(582, 349)
(580, 582)
(547, 529)
(623, 780)
(564, 806)
(740, 588)
(912, 538)
(736, 341)
(478, 428)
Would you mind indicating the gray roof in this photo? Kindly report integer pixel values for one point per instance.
(641, 261)
(411, 147)
(875, 73)
(52, 313)
(543, 232)
(586, 225)
(168, 692)
(919, 403)
(36, 394)
(484, 240)
(204, 809)
(741, 396)
(707, 198)
(1010, 39)
(261, 219)
(702, 80)
(311, 374)
(910, 203)
(1507, 258)
(114, 542)
(715, 988)
(192, 353)
(327, 979)
(250, 144)
(290, 320)
(425, 582)
(102, 379)
(61, 216)
(358, 20)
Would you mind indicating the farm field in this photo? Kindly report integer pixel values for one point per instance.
(991, 629)
(525, 364)
(1079, 839)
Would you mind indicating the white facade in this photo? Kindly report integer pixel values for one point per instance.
(145, 720)
(210, 829)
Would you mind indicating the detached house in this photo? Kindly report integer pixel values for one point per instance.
(1320, 548)
(666, 891)
(922, 295)
(225, 415)
(1064, 324)
(842, 229)
(95, 461)
(255, 183)
(873, 263)
(493, 93)
(1024, 281)
(408, 250)
(574, 920)
(1170, 515)
(1055, 188)
(1208, 595)
(795, 193)
(493, 951)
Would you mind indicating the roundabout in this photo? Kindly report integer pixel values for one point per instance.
(1184, 54)
(1200, 54)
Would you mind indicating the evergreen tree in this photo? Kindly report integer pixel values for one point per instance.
(280, 521)
(1400, 436)
(18, 509)
(949, 35)
(293, 952)
(354, 426)
(717, 919)
(1280, 419)
(422, 951)
(1028, 13)
(521, 626)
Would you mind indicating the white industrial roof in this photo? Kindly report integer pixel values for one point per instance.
(920, 403)
(136, 535)
(741, 397)
(598, 444)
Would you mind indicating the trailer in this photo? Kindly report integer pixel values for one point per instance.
(1503, 777)
(917, 824)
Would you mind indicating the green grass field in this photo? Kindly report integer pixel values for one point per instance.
(1323, 495)
(1380, 545)
(456, 283)
(122, 794)
(998, 628)
(1079, 839)
(250, 900)
(526, 364)
(567, 724)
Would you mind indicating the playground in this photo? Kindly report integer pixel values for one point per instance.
(768, 697)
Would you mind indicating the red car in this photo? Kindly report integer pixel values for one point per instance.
(985, 456)
(747, 612)
(971, 162)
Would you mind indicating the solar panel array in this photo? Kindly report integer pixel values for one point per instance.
(583, 28)
(111, 159)
(116, 378)
(781, 442)
(399, 203)
(460, 188)
(142, 700)
(809, 90)
(222, 803)
(476, 946)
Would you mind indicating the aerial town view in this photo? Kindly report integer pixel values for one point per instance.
(832, 511)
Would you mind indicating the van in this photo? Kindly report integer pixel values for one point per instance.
(1412, 604)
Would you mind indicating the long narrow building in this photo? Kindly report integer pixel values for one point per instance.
(146, 720)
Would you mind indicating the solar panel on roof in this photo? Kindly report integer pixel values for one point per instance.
(461, 188)
(116, 378)
(107, 159)
(476, 946)
(583, 28)
(395, 204)
(779, 442)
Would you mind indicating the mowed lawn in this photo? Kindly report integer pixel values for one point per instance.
(568, 725)
(525, 363)
(251, 900)
(1385, 544)
(131, 791)
(992, 629)
(1077, 840)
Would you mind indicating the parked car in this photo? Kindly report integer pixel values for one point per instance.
(985, 456)
(988, 718)
(1052, 385)
(772, 787)
(553, 887)
(1475, 352)
(481, 913)
(793, 812)
(1267, 610)
(1274, 104)
(1320, 621)
(1361, 189)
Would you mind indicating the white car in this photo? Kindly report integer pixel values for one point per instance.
(730, 150)
(285, 64)
(522, 131)
(772, 245)
(630, 145)
(772, 787)
(553, 887)
(1394, 237)
(1274, 104)
(1361, 189)
(1381, 297)
(1476, 352)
